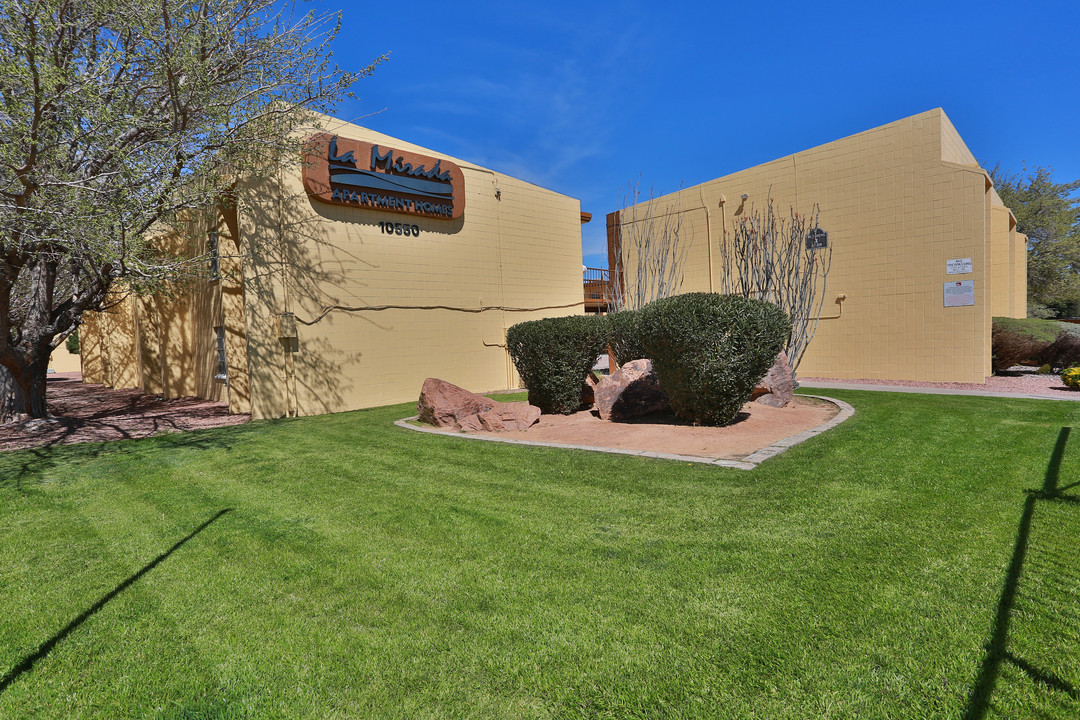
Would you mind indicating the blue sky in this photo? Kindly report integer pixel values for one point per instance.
(582, 97)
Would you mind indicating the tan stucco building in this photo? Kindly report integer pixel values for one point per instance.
(345, 284)
(899, 202)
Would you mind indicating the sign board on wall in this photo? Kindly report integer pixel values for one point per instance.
(817, 239)
(360, 174)
(959, 293)
(959, 266)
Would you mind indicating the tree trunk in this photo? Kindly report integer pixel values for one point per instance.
(22, 392)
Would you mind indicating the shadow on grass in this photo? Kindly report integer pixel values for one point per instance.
(21, 467)
(997, 647)
(28, 662)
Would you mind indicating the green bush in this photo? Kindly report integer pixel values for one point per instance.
(554, 355)
(72, 342)
(709, 350)
(1041, 330)
(1016, 340)
(1071, 378)
(625, 338)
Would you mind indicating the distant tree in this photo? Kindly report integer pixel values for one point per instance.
(1049, 215)
(119, 117)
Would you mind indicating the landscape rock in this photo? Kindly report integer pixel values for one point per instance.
(470, 424)
(631, 391)
(509, 416)
(444, 404)
(588, 390)
(777, 388)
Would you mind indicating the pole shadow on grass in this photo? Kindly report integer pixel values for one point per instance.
(28, 662)
(997, 651)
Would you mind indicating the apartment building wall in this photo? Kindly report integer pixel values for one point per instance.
(898, 202)
(324, 311)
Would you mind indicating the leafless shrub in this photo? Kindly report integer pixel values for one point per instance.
(1064, 352)
(768, 259)
(1010, 348)
(650, 251)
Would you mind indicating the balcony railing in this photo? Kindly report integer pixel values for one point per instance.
(596, 281)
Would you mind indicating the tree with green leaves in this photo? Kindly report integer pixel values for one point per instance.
(1049, 214)
(118, 118)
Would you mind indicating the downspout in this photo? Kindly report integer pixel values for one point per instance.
(291, 404)
(723, 219)
(708, 237)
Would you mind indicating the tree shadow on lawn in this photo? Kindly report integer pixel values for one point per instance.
(21, 467)
(997, 647)
(28, 662)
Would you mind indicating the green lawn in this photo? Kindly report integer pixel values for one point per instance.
(921, 560)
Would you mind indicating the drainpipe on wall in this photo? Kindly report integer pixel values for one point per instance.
(708, 238)
(286, 319)
(723, 219)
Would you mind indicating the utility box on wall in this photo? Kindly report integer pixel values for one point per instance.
(287, 326)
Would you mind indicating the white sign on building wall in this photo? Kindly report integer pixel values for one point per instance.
(958, 266)
(959, 293)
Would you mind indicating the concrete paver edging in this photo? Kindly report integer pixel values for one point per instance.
(747, 463)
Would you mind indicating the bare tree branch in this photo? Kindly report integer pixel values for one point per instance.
(651, 251)
(768, 259)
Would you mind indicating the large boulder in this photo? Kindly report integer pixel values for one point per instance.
(631, 391)
(444, 404)
(509, 416)
(777, 388)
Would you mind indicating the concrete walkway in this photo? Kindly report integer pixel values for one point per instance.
(1064, 395)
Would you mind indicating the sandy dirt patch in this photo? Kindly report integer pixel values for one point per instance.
(756, 427)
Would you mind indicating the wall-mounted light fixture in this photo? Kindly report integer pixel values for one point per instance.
(840, 298)
(212, 251)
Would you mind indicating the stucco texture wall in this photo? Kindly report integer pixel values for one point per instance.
(378, 313)
(166, 343)
(898, 202)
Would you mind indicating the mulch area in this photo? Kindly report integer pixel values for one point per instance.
(93, 413)
(755, 427)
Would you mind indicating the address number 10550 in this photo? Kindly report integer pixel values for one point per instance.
(399, 229)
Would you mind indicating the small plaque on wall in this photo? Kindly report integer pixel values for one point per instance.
(959, 293)
(817, 239)
(959, 266)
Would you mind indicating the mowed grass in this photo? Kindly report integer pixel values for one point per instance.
(921, 560)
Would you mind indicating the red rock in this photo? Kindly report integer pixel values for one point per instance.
(444, 404)
(588, 390)
(631, 391)
(509, 416)
(777, 388)
(470, 424)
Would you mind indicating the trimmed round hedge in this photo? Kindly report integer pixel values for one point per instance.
(710, 350)
(554, 355)
(625, 338)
